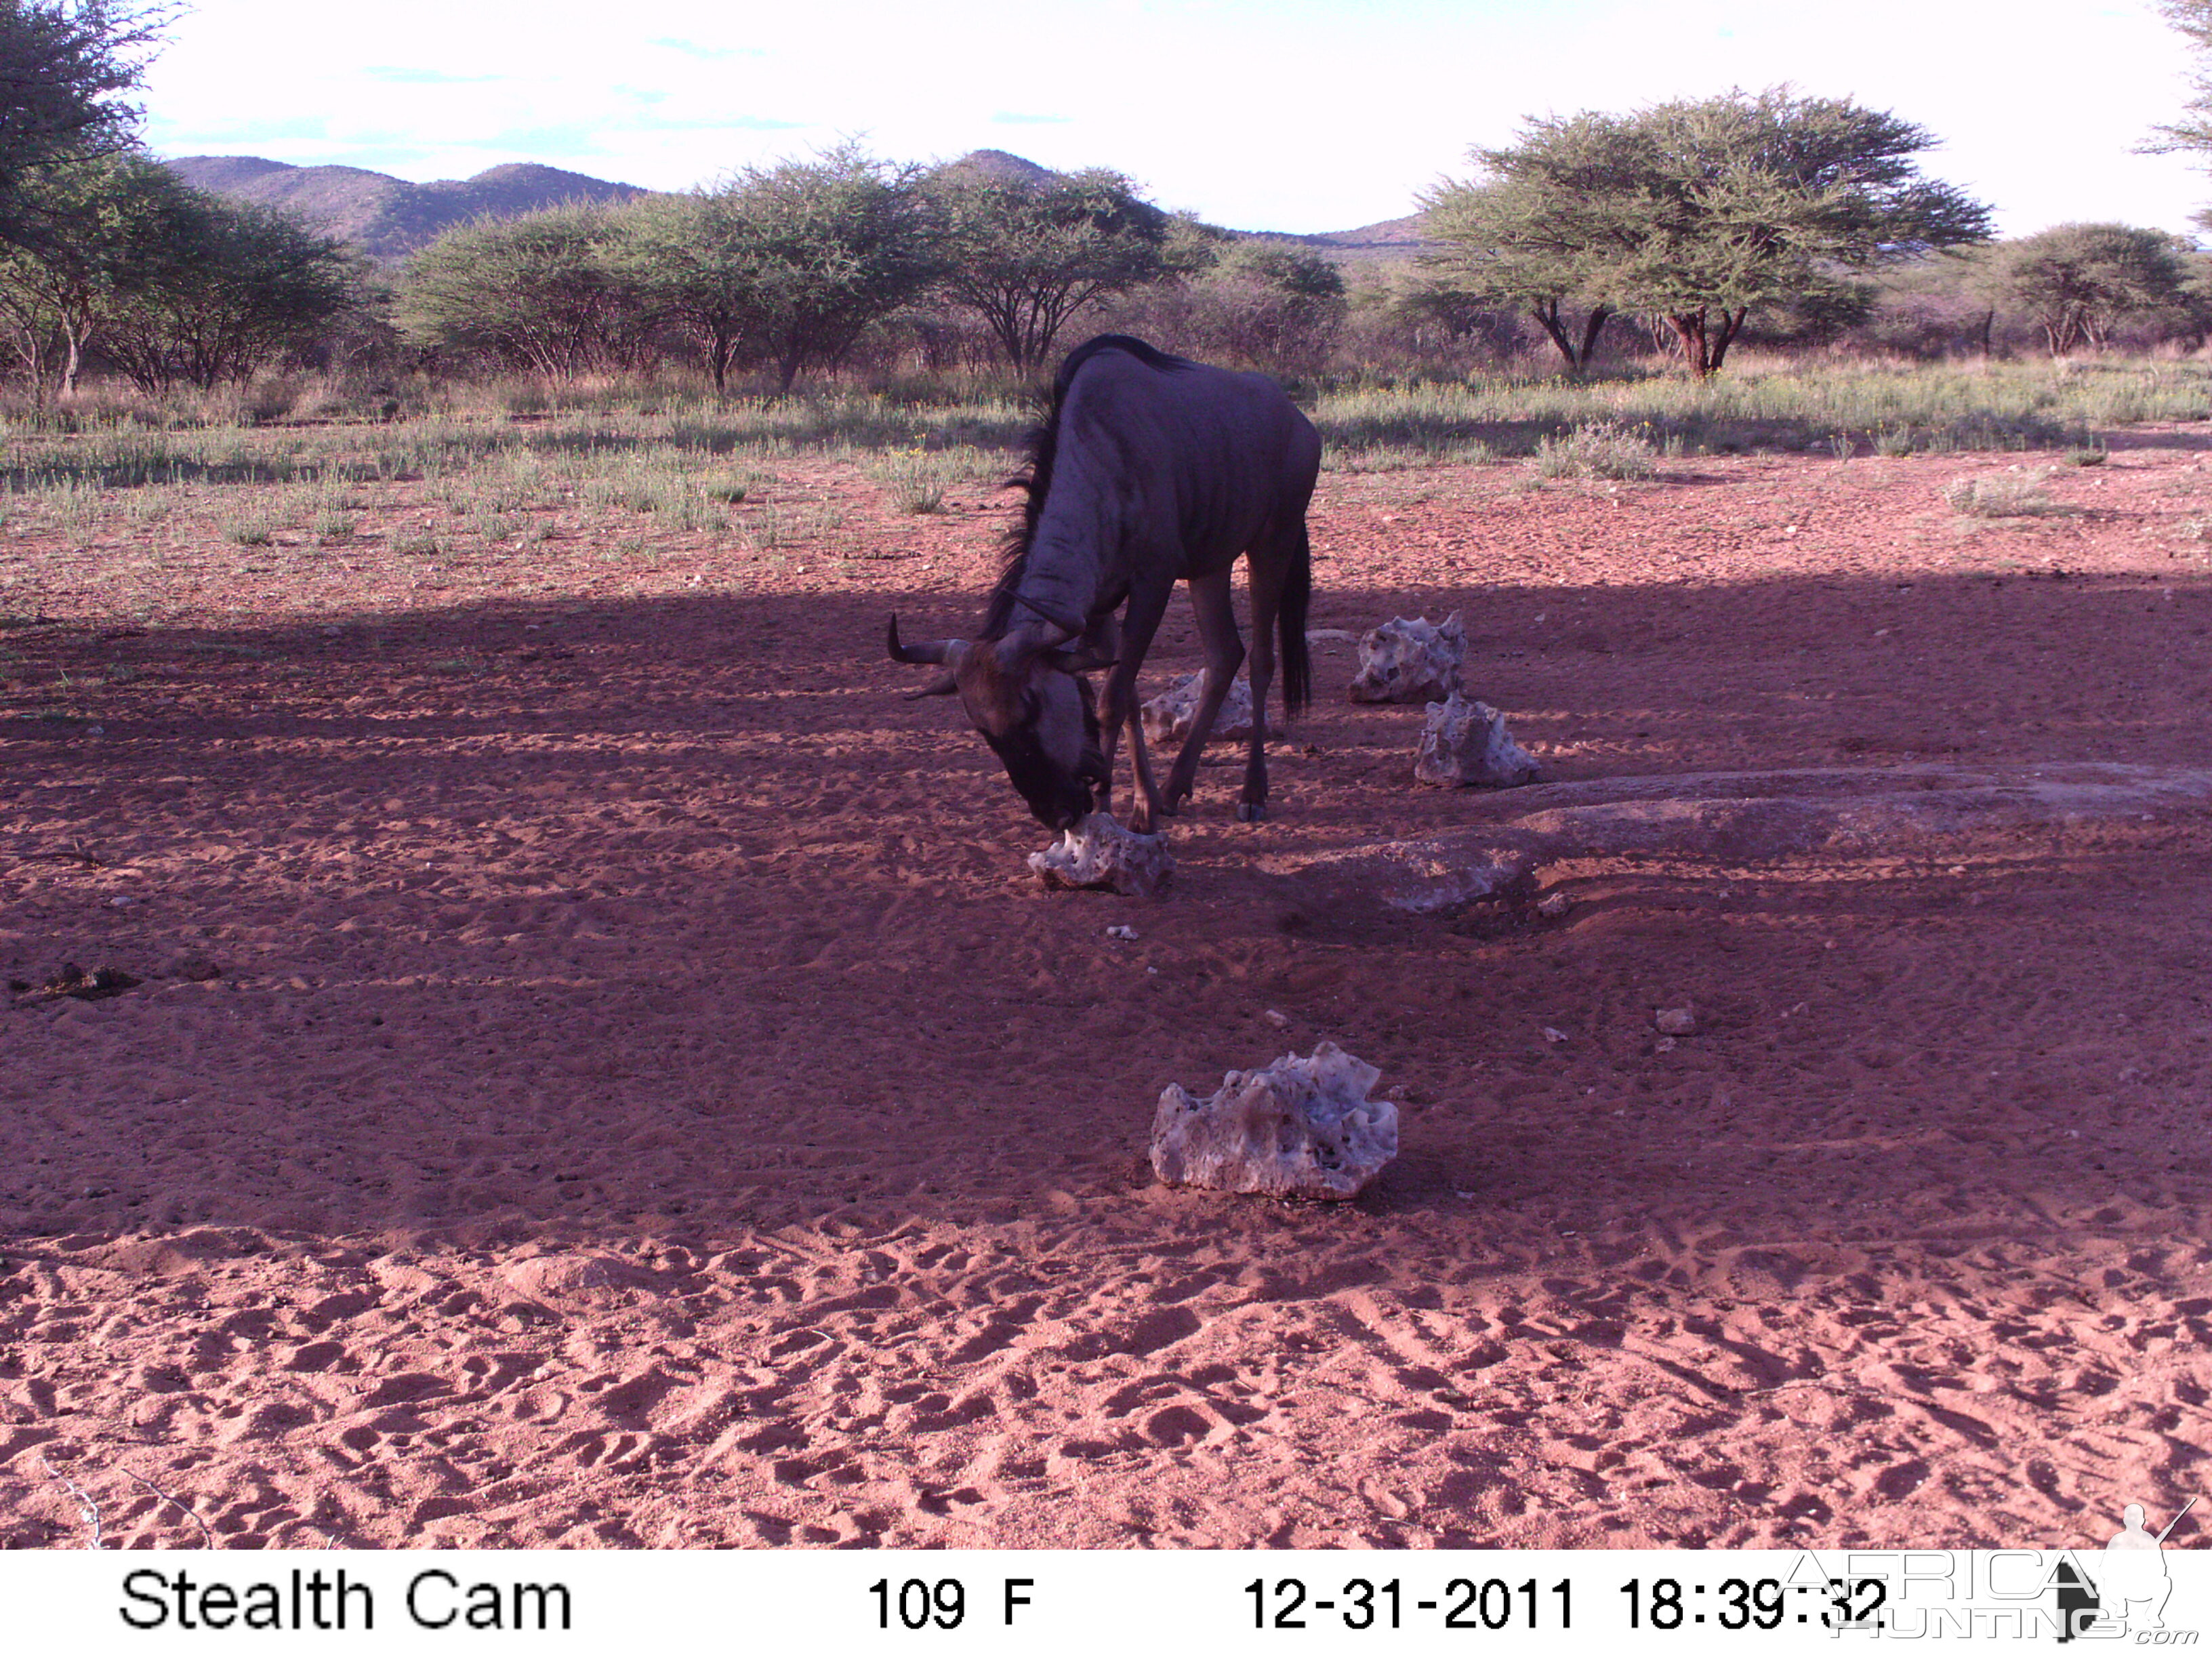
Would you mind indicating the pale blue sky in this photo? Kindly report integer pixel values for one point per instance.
(1301, 115)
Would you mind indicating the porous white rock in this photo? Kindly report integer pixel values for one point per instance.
(1167, 717)
(1466, 743)
(1099, 852)
(1298, 1128)
(1674, 1022)
(1410, 660)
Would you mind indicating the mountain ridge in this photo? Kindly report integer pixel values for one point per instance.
(389, 218)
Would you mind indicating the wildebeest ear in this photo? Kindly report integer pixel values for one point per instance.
(1028, 641)
(1099, 647)
(1084, 656)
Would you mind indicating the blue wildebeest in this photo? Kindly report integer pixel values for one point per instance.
(1149, 470)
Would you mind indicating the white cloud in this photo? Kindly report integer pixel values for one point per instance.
(1275, 114)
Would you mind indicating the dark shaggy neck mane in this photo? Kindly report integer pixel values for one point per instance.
(1036, 481)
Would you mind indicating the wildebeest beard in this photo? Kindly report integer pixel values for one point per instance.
(1057, 798)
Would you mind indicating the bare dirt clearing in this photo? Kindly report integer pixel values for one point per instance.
(601, 1072)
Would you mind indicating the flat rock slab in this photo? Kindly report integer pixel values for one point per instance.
(1167, 717)
(1098, 853)
(1466, 744)
(1298, 1128)
(1741, 817)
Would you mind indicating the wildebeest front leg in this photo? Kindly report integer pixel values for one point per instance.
(1118, 703)
(1148, 787)
(1216, 613)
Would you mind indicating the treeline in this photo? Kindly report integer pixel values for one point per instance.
(105, 257)
(1685, 228)
(133, 271)
(843, 259)
(2070, 290)
(805, 265)
(1786, 219)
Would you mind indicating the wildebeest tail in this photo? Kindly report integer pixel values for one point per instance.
(1290, 623)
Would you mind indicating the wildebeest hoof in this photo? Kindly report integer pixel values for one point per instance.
(1251, 811)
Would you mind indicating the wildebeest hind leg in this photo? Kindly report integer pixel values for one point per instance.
(1268, 576)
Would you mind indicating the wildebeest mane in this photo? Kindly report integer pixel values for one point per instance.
(1035, 480)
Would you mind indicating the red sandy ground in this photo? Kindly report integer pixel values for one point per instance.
(645, 1100)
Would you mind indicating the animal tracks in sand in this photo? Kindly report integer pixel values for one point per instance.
(633, 1095)
(895, 1389)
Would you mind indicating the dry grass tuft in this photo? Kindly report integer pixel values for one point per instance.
(2011, 494)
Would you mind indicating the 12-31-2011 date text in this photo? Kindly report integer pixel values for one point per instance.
(1492, 1604)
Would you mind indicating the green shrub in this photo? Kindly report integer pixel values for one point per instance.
(1604, 449)
(914, 480)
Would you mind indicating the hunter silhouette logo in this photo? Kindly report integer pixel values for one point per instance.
(2129, 1585)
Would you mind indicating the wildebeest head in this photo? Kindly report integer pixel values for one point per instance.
(1027, 696)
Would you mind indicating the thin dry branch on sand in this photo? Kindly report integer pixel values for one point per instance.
(87, 1510)
(207, 1538)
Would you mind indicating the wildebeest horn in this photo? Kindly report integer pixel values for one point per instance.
(946, 652)
(937, 651)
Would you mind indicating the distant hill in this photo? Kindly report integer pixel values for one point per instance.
(388, 218)
(1385, 241)
(999, 167)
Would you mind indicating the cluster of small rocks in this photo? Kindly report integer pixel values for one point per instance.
(1464, 741)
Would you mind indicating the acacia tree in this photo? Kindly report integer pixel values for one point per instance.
(65, 72)
(833, 244)
(2193, 132)
(2079, 281)
(1026, 254)
(1279, 308)
(693, 259)
(1528, 235)
(227, 288)
(540, 292)
(116, 226)
(1696, 212)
